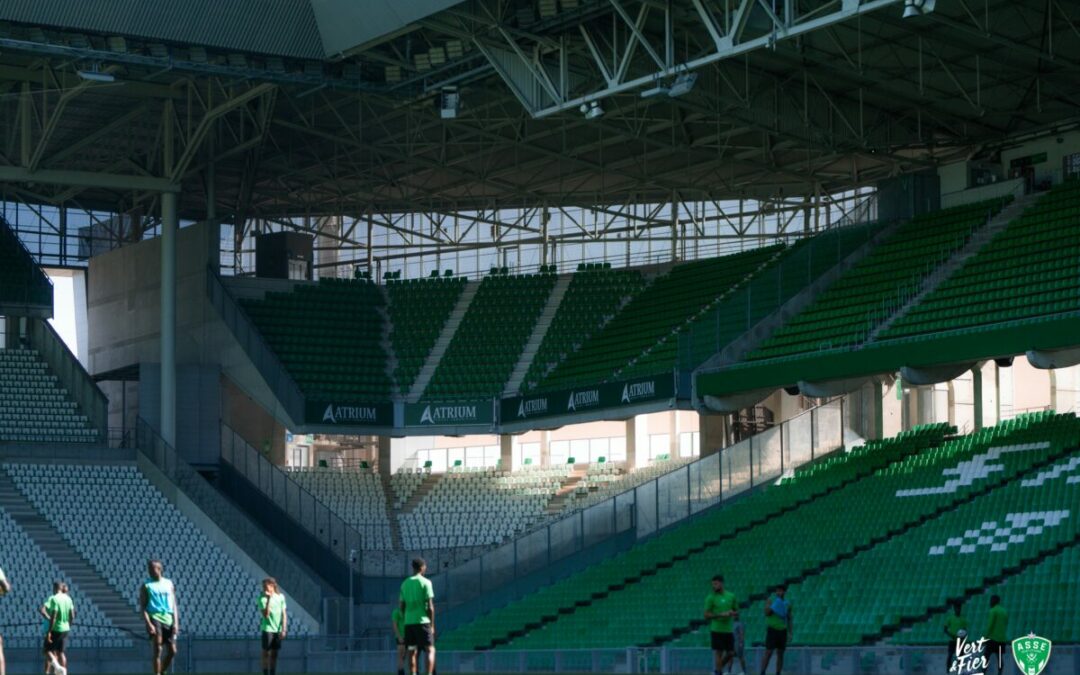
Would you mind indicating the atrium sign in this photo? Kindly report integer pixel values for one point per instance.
(466, 413)
(611, 396)
(346, 414)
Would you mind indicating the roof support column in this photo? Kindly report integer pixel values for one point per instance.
(168, 292)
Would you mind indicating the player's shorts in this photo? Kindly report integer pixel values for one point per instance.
(775, 638)
(271, 642)
(722, 642)
(419, 635)
(994, 652)
(54, 642)
(164, 633)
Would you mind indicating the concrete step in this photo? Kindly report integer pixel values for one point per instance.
(113, 605)
(443, 341)
(521, 368)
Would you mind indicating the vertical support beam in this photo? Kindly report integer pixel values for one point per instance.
(674, 227)
(506, 452)
(168, 291)
(977, 395)
(25, 118)
(545, 448)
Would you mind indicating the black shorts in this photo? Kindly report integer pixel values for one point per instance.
(164, 633)
(776, 638)
(54, 642)
(271, 642)
(722, 642)
(994, 651)
(419, 635)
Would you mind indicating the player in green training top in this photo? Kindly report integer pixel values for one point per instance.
(273, 623)
(956, 628)
(417, 601)
(777, 628)
(721, 609)
(58, 611)
(397, 624)
(161, 612)
(5, 588)
(997, 627)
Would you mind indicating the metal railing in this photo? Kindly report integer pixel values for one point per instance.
(255, 347)
(71, 373)
(300, 505)
(765, 293)
(240, 529)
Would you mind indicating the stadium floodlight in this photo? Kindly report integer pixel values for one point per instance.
(591, 110)
(96, 76)
(449, 103)
(913, 8)
(683, 84)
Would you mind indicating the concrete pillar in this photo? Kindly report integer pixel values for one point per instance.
(385, 461)
(673, 434)
(637, 441)
(169, 224)
(545, 448)
(506, 452)
(977, 397)
(713, 436)
(168, 317)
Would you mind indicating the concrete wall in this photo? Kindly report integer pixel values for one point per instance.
(1056, 148)
(251, 421)
(124, 301)
(198, 405)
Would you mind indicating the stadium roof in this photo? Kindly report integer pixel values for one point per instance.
(311, 108)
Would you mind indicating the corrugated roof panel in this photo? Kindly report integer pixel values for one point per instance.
(280, 27)
(345, 24)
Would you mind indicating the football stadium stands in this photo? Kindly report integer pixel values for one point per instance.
(1031, 596)
(33, 406)
(869, 293)
(859, 501)
(216, 592)
(356, 495)
(486, 346)
(654, 313)
(708, 332)
(328, 335)
(1028, 270)
(480, 507)
(595, 295)
(32, 571)
(418, 310)
(602, 481)
(960, 552)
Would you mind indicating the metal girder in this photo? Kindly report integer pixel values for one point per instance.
(727, 40)
(18, 174)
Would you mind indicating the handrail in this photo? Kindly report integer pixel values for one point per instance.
(290, 496)
(245, 533)
(71, 372)
(251, 339)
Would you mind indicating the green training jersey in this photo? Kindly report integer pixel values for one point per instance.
(997, 624)
(955, 623)
(61, 607)
(271, 623)
(397, 617)
(717, 603)
(415, 593)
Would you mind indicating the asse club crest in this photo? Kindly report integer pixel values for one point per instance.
(1032, 653)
